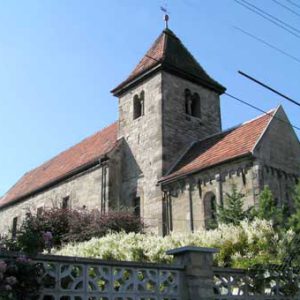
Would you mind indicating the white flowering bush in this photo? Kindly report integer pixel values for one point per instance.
(245, 245)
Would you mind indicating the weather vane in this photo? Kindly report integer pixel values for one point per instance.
(166, 16)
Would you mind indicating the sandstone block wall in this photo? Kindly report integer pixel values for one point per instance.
(279, 146)
(180, 129)
(83, 190)
(142, 150)
(187, 195)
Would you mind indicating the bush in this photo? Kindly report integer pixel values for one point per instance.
(85, 225)
(52, 228)
(267, 208)
(30, 236)
(239, 246)
(20, 279)
(294, 219)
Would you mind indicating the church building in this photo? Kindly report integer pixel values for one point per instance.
(166, 157)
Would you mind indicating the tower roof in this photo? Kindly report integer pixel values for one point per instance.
(168, 53)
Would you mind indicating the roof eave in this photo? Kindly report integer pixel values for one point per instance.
(170, 179)
(129, 83)
(74, 172)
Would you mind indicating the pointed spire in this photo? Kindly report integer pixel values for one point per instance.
(169, 54)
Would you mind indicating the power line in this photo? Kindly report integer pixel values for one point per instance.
(245, 102)
(286, 7)
(269, 19)
(271, 16)
(259, 109)
(269, 88)
(267, 44)
(293, 3)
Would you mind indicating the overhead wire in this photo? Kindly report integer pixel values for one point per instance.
(293, 3)
(286, 7)
(267, 44)
(259, 109)
(270, 16)
(245, 103)
(269, 88)
(269, 19)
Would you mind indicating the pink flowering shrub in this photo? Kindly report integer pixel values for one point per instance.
(19, 279)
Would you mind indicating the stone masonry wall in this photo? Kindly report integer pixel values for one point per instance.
(280, 183)
(142, 151)
(187, 195)
(279, 147)
(278, 154)
(180, 129)
(83, 190)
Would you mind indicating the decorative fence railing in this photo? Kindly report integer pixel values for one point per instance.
(256, 284)
(191, 276)
(81, 279)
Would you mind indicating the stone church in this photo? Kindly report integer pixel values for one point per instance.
(166, 157)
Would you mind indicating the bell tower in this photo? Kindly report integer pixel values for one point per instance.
(167, 103)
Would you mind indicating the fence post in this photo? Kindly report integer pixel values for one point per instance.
(198, 273)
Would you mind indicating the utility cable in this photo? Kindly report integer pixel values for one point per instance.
(293, 3)
(270, 16)
(267, 44)
(269, 88)
(286, 7)
(269, 19)
(246, 103)
(259, 109)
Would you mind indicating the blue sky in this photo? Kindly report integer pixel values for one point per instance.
(59, 59)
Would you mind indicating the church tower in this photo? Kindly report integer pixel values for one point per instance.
(167, 103)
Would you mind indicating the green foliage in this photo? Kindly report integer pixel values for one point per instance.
(291, 246)
(29, 238)
(245, 245)
(267, 208)
(20, 279)
(57, 226)
(85, 225)
(232, 212)
(294, 219)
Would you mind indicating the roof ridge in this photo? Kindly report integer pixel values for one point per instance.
(269, 112)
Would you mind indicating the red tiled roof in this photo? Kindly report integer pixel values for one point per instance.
(221, 147)
(153, 56)
(169, 53)
(87, 151)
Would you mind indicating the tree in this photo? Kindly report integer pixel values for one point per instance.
(294, 219)
(232, 212)
(267, 208)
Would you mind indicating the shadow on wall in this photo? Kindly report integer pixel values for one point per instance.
(130, 192)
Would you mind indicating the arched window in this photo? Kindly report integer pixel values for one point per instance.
(138, 105)
(188, 101)
(192, 104)
(196, 108)
(210, 210)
